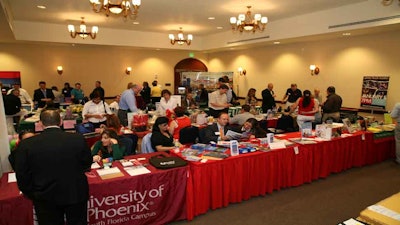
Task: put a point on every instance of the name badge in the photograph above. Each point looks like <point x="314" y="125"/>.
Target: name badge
<point x="216" y="133"/>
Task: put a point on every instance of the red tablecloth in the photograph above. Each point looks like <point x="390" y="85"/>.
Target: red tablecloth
<point x="155" y="198"/>
<point x="215" y="184"/>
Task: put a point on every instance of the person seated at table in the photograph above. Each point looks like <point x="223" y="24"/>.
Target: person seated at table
<point x="125" y="135"/>
<point x="306" y="108"/>
<point x="96" y="110"/>
<point x="251" y="129"/>
<point x="114" y="106"/>
<point x="161" y="139"/>
<point x="166" y="102"/>
<point x="216" y="131"/>
<point x="188" y="101"/>
<point x="242" y="116"/>
<point x="180" y="121"/>
<point x="108" y="147"/>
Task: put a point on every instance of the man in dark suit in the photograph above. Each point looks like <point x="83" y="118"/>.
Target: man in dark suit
<point x="99" y="89"/>
<point x="50" y="169"/>
<point x="268" y="98"/>
<point x="43" y="95"/>
<point x="216" y="131"/>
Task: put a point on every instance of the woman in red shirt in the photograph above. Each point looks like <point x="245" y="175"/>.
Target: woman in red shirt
<point x="180" y="121"/>
<point x="306" y="108"/>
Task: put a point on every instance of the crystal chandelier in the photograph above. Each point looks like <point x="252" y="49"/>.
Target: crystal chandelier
<point x="83" y="33"/>
<point x="117" y="7"/>
<point x="180" y="39"/>
<point x="244" y="22"/>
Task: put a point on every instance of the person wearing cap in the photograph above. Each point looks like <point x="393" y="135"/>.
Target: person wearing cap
<point x="218" y="101"/>
<point x="23" y="94"/>
<point x="331" y="107"/>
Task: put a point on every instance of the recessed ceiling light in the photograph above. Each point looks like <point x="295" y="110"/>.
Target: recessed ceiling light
<point x="220" y="28"/>
<point x="41" y="6"/>
<point x="346" y="34"/>
<point x="277" y="42"/>
<point x="136" y="23"/>
<point x="211" y="18"/>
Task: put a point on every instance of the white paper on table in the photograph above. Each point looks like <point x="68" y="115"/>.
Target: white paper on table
<point x="103" y="172"/>
<point x="385" y="211"/>
<point x="352" y="222"/>
<point x="277" y="145"/>
<point x="280" y="135"/>
<point x="134" y="171"/>
<point x="126" y="163"/>
<point x="95" y="165"/>
<point x="12" y="178"/>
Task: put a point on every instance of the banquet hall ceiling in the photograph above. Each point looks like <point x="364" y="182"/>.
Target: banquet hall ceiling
<point x="158" y="18"/>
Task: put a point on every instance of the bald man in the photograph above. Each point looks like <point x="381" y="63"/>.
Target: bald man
<point x="268" y="98"/>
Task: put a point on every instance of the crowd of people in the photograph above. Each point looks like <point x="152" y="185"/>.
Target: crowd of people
<point x="66" y="166"/>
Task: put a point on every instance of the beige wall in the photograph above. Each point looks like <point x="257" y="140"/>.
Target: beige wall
<point x="86" y="64"/>
<point x="343" y="63"/>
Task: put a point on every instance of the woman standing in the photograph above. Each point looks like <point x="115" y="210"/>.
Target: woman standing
<point x="166" y="102"/>
<point x="146" y="92"/>
<point x="161" y="139"/>
<point x="307" y="108"/>
<point x="96" y="110"/>
<point x="108" y="147"/>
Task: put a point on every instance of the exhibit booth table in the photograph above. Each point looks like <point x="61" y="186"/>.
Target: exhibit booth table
<point x="157" y="197"/>
<point x="217" y="183"/>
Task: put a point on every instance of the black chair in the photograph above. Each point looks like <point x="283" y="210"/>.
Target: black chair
<point x="188" y="135"/>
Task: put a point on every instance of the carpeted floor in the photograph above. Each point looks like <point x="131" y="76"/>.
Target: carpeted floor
<point x="323" y="202"/>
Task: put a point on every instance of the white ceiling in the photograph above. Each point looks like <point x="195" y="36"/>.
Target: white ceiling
<point x="159" y="17"/>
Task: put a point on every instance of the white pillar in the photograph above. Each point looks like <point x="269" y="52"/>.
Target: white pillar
<point x="5" y="146"/>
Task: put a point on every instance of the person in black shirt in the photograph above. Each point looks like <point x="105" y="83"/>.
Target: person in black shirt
<point x="202" y="96"/>
<point x="268" y="98"/>
<point x="161" y="139"/>
<point x="66" y="91"/>
<point x="146" y="92"/>
<point x="99" y="89"/>
<point x="291" y="95"/>
<point x="12" y="103"/>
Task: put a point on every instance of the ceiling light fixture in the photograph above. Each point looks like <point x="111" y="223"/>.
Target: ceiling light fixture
<point x="180" y="39"/>
<point x="117" y="7"/>
<point x="83" y="33"/>
<point x="244" y="22"/>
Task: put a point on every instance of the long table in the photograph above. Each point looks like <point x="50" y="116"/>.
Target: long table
<point x="216" y="184"/>
<point x="193" y="190"/>
<point x="155" y="198"/>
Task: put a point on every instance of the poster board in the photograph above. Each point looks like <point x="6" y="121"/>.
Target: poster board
<point x="374" y="92"/>
<point x="8" y="78"/>
<point x="209" y="79"/>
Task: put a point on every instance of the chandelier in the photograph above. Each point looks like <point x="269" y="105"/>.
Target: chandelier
<point x="117" y="7"/>
<point x="244" y="22"/>
<point x="83" y="33"/>
<point x="180" y="40"/>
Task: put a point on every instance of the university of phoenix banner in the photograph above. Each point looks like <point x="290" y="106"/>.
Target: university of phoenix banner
<point x="156" y="198"/>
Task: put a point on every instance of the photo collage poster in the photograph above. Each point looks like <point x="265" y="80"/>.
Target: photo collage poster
<point x="374" y="91"/>
<point x="8" y="78"/>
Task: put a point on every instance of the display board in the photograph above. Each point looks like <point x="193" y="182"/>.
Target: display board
<point x="209" y="79"/>
<point x="374" y="91"/>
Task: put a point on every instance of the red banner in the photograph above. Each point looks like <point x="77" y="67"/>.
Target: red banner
<point x="156" y="198"/>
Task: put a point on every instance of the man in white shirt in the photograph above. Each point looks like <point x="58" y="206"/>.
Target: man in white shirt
<point x="23" y="95"/>
<point x="217" y="101"/>
<point x="242" y="117"/>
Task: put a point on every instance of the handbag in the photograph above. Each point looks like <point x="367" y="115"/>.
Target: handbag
<point x="84" y="128"/>
<point x="166" y="162"/>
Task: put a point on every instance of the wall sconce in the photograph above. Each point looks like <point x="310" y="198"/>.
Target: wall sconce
<point x="242" y="72"/>
<point x="128" y="70"/>
<point x="314" y="70"/>
<point x="59" y="70"/>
